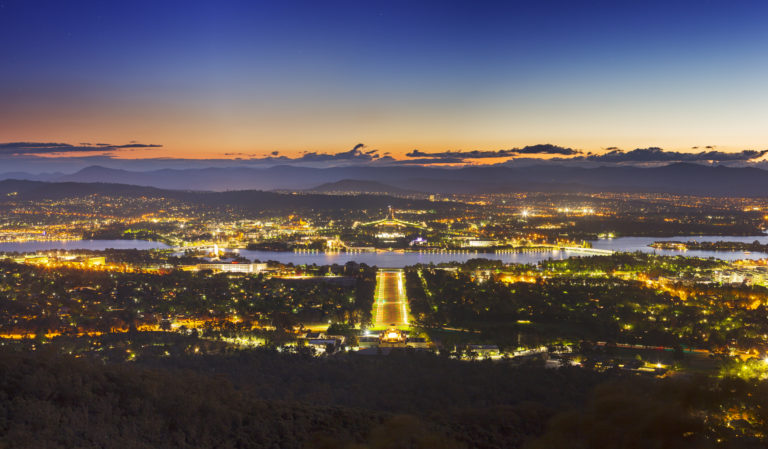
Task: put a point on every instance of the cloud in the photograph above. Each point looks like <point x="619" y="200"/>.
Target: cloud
<point x="238" y="155"/>
<point x="356" y="154"/>
<point x="131" y="145"/>
<point x="546" y="148"/>
<point x="26" y="156"/>
<point x="452" y="157"/>
<point x="656" y="154"/>
<point x="32" y="148"/>
<point x="460" y="155"/>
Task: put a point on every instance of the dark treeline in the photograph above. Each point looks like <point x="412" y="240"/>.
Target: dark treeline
<point x="263" y="398"/>
<point x="136" y="231"/>
<point x="649" y="264"/>
<point x="712" y="246"/>
<point x="657" y="226"/>
<point x="65" y="403"/>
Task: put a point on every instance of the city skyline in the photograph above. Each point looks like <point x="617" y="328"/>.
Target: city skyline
<point x="383" y="224"/>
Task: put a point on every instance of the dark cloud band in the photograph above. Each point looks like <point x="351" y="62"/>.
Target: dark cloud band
<point x="30" y="148"/>
<point x="360" y="154"/>
<point x="459" y="156"/>
<point x="656" y="154"/>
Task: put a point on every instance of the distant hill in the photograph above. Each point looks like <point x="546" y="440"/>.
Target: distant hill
<point x="253" y="200"/>
<point x="36" y="190"/>
<point x="679" y="178"/>
<point x="213" y="179"/>
<point x="359" y="186"/>
<point x="31" y="176"/>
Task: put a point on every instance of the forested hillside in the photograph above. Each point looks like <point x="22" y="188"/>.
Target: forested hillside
<point x="266" y="399"/>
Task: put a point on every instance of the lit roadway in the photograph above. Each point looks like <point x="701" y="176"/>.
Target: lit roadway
<point x="390" y="304"/>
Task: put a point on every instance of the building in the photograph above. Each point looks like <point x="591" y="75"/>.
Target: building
<point x="417" y="343"/>
<point x="477" y="243"/>
<point x="234" y="267"/>
<point x="391" y="228"/>
<point x="324" y="345"/>
<point x="484" y="350"/>
<point x="393" y="338"/>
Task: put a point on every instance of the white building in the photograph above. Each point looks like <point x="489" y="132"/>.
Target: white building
<point x="234" y="267"/>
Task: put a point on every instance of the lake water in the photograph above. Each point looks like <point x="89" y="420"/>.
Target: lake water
<point x="393" y="259"/>
<point x="68" y="245"/>
<point x="632" y="244"/>
<point x="396" y="259"/>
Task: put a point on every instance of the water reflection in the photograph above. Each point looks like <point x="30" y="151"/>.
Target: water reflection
<point x="401" y="259"/>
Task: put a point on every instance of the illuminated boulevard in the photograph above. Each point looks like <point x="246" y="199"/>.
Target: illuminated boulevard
<point x="390" y="305"/>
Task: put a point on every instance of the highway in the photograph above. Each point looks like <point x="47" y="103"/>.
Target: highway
<point x="390" y="306"/>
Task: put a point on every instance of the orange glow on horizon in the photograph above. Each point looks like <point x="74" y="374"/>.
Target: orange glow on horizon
<point x="180" y="152"/>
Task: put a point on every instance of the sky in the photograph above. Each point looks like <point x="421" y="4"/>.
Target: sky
<point x="223" y="79"/>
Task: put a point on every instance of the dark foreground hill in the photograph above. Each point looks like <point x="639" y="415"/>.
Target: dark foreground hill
<point x="266" y="399"/>
<point x="678" y="178"/>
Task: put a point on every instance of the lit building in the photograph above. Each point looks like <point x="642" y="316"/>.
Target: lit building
<point x="391" y="228"/>
<point x="234" y="267"/>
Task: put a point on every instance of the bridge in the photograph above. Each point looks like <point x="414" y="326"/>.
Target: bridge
<point x="390" y="305"/>
<point x="593" y="251"/>
<point x="550" y="248"/>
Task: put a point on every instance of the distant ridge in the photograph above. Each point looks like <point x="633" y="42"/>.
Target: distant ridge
<point x="251" y="200"/>
<point x="358" y="186"/>
<point x="31" y="176"/>
<point x="36" y="190"/>
<point x="678" y="178"/>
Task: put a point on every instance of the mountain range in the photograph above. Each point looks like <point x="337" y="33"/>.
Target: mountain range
<point x="251" y="200"/>
<point x="359" y="186"/>
<point x="678" y="178"/>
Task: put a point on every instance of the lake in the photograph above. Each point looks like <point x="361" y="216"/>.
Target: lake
<point x="68" y="245"/>
<point x="632" y="244"/>
<point x="398" y="259"/>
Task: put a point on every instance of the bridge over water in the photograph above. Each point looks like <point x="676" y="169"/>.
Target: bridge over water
<point x="592" y="251"/>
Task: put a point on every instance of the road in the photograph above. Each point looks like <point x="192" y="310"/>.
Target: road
<point x="390" y="306"/>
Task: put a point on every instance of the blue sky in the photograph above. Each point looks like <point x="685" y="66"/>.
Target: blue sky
<point x="205" y="79"/>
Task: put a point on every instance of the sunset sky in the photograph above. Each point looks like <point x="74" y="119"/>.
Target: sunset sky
<point x="225" y="79"/>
